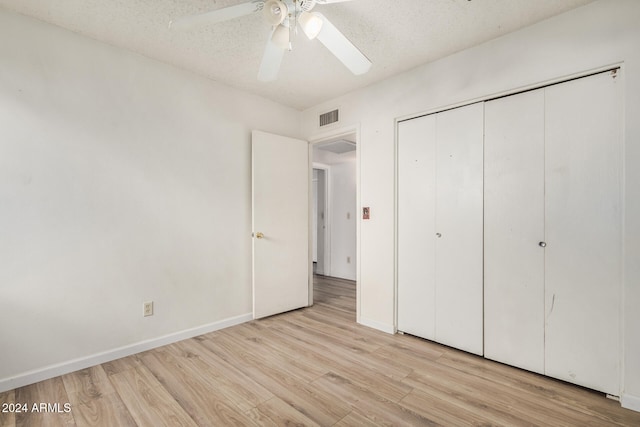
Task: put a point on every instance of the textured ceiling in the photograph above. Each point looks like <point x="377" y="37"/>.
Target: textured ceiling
<point x="396" y="35"/>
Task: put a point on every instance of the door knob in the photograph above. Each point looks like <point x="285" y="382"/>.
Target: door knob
<point x="259" y="235"/>
<point x="542" y="244"/>
<point x="438" y="235"/>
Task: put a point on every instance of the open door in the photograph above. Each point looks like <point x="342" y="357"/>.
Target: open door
<point x="280" y="192"/>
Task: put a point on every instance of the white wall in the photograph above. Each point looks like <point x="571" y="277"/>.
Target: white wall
<point x="122" y="180"/>
<point x="602" y="33"/>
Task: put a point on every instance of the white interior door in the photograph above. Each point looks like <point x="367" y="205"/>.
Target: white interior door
<point x="416" y="222"/>
<point x="513" y="229"/>
<point x="280" y="192"/>
<point x="458" y="233"/>
<point x="584" y="231"/>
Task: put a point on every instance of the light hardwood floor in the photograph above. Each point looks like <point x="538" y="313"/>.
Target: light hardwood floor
<point x="313" y="366"/>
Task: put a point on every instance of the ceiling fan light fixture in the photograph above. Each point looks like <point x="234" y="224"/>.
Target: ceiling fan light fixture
<point x="311" y="24"/>
<point x="274" y="12"/>
<point x="280" y="37"/>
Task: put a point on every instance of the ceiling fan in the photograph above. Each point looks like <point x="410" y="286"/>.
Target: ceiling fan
<point x="285" y="16"/>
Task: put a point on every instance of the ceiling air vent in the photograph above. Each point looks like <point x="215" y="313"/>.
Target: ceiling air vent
<point x="329" y="118"/>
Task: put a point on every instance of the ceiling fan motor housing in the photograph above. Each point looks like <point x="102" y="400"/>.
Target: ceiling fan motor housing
<point x="275" y="11"/>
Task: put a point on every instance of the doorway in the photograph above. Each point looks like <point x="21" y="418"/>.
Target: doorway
<point x="334" y="216"/>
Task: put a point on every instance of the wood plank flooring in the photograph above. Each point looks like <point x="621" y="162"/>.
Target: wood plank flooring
<point x="313" y="366"/>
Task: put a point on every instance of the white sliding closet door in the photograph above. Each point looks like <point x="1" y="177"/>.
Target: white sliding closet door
<point x="416" y="226"/>
<point x="584" y="231"/>
<point x="440" y="227"/>
<point x="514" y="226"/>
<point x="459" y="228"/>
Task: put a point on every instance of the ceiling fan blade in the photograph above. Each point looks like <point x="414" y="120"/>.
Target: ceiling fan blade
<point x="215" y="16"/>
<point x="342" y="48"/>
<point x="271" y="61"/>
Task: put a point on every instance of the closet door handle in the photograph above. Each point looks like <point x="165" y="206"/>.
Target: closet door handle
<point x="542" y="244"/>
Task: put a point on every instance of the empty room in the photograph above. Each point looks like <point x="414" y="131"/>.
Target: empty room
<point x="320" y="212"/>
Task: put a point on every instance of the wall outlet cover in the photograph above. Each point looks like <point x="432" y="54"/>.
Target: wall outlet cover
<point x="147" y="308"/>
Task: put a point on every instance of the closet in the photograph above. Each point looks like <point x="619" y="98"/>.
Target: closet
<point x="553" y="230"/>
<point x="440" y="227"/>
<point x="509" y="229"/>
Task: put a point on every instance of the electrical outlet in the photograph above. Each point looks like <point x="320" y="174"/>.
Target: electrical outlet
<point x="147" y="308"/>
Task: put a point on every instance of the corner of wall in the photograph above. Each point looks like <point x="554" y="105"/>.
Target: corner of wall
<point x="629" y="401"/>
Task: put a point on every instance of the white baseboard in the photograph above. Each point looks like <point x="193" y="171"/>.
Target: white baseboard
<point x="52" y="371"/>
<point x="630" y="402"/>
<point x="377" y="325"/>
